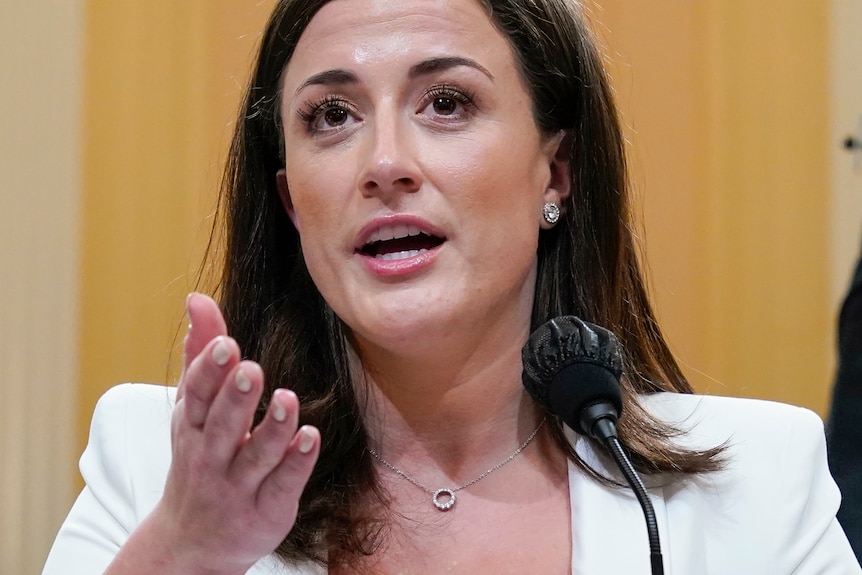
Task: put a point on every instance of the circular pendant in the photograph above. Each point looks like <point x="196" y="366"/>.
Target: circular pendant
<point x="447" y="504"/>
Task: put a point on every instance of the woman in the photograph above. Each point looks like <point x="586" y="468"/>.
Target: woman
<point x="414" y="186"/>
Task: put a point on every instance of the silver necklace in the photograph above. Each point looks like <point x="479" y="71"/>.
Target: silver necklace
<point x="444" y="498"/>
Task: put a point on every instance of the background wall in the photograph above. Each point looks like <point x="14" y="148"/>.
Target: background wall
<point x="114" y="118"/>
<point x="113" y="132"/>
<point x="845" y="99"/>
<point x="728" y="110"/>
<point x="40" y="185"/>
<point x="163" y="81"/>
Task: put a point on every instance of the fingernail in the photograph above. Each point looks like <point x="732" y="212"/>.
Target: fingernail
<point x="243" y="383"/>
<point x="221" y="354"/>
<point x="278" y="411"/>
<point x="306" y="440"/>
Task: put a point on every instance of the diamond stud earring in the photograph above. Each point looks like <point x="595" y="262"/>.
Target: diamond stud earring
<point x="551" y="213"/>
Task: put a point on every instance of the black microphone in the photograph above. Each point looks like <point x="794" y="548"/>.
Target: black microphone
<point x="573" y="368"/>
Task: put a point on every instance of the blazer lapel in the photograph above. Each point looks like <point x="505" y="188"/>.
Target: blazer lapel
<point x="609" y="531"/>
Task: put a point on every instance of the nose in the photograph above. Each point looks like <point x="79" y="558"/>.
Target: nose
<point x="389" y="165"/>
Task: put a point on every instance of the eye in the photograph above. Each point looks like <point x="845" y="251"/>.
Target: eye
<point x="334" y="117"/>
<point x="444" y="105"/>
<point x="447" y="102"/>
<point x="326" y="115"/>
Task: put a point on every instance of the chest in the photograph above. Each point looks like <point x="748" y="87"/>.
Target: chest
<point x="531" y="534"/>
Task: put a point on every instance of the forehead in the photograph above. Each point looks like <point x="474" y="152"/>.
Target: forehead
<point x="382" y="31"/>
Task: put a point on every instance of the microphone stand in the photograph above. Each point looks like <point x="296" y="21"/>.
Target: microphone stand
<point x="573" y="368"/>
<point x="605" y="429"/>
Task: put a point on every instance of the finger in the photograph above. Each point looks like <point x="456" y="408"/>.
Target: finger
<point x="232" y="412"/>
<point x="270" y="439"/>
<point x="206" y="376"/>
<point x="281" y="489"/>
<point x="206" y="323"/>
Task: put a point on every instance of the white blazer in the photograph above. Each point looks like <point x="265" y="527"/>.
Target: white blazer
<point x="770" y="511"/>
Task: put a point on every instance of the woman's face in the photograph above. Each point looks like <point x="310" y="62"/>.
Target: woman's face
<point x="415" y="173"/>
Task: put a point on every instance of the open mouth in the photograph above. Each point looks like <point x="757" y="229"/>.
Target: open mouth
<point x="399" y="242"/>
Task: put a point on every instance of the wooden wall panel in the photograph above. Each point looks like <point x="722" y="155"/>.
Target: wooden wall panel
<point x="771" y="320"/>
<point x="163" y="83"/>
<point x="727" y="105"/>
<point x="40" y="64"/>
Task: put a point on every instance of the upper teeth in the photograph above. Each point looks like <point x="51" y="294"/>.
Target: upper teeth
<point x="393" y="232"/>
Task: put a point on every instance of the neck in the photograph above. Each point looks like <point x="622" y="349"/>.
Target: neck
<point x="452" y="411"/>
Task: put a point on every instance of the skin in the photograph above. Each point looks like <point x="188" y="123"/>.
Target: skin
<point x="224" y="482"/>
<point x="440" y="342"/>
<point x="479" y="174"/>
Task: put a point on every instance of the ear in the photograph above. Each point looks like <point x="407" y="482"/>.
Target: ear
<point x="284" y="194"/>
<point x="559" y="188"/>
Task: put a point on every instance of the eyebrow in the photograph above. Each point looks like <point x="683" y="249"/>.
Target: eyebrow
<point x="329" y="78"/>
<point x="444" y="63"/>
<point x="340" y="76"/>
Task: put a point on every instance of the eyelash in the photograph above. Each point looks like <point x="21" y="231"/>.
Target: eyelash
<point x="460" y="96"/>
<point x="313" y="111"/>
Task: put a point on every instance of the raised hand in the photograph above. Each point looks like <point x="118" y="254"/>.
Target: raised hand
<point x="231" y="495"/>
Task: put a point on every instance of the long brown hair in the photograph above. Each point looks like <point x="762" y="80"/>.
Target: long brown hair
<point x="587" y="267"/>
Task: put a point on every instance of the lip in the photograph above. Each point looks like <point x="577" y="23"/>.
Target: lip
<point x="395" y="220"/>
<point x="399" y="267"/>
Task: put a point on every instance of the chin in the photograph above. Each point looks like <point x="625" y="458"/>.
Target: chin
<point x="407" y="332"/>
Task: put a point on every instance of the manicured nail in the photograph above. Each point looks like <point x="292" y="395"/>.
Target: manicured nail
<point x="243" y="383"/>
<point x="221" y="354"/>
<point x="278" y="411"/>
<point x="188" y="301"/>
<point x="306" y="440"/>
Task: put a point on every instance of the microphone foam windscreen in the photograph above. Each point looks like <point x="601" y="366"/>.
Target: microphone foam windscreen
<point x="574" y="362"/>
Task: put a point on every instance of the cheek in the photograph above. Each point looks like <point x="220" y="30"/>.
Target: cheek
<point x="317" y="226"/>
<point x="498" y="206"/>
<point x="313" y="194"/>
<point x="496" y="180"/>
